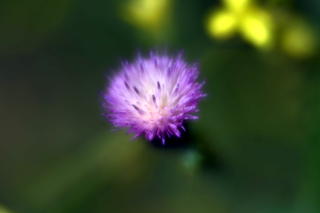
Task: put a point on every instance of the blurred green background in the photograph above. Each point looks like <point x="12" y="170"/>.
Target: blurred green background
<point x="255" y="147"/>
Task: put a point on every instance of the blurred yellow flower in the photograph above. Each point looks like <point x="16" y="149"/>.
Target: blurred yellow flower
<point x="147" y="14"/>
<point x="298" y="39"/>
<point x="254" y="24"/>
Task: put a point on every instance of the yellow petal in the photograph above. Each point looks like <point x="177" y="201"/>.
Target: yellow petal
<point x="222" y="24"/>
<point x="256" y="27"/>
<point x="237" y="5"/>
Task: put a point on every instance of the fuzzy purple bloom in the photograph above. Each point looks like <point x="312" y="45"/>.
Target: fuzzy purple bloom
<point x="153" y="96"/>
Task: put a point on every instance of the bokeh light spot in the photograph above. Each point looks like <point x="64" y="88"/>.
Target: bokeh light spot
<point x="149" y="14"/>
<point x="299" y="40"/>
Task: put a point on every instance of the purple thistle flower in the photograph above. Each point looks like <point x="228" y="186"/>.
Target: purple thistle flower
<point x="153" y="96"/>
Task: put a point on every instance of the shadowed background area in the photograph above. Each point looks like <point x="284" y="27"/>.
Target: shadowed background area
<point x="254" y="149"/>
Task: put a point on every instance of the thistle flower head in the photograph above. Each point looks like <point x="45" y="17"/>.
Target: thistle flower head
<point x="153" y="96"/>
